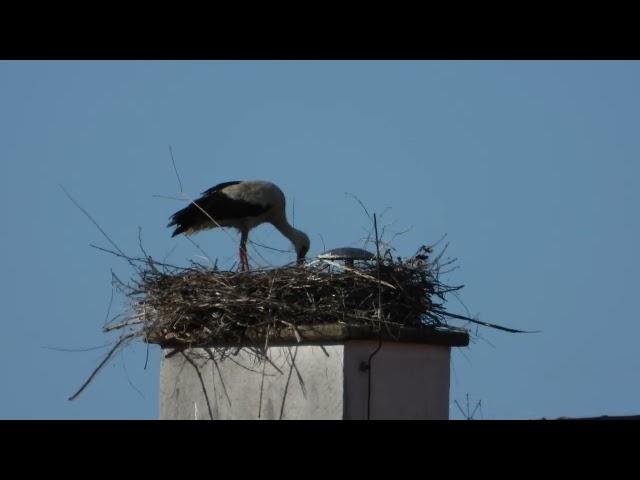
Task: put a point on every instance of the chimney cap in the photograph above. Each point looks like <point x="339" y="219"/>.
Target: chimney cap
<point x="347" y="253"/>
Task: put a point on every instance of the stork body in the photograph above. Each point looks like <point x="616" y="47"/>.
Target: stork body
<point x="242" y="205"/>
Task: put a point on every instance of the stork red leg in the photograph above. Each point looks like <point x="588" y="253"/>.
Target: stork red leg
<point x="244" y="259"/>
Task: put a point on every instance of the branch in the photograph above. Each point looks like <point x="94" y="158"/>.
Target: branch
<point x="102" y="364"/>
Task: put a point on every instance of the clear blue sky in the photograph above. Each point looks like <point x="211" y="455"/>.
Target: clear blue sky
<point x="531" y="168"/>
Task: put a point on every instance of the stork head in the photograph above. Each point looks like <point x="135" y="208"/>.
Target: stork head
<point x="301" y="243"/>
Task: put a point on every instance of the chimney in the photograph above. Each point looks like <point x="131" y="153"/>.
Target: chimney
<point x="318" y="372"/>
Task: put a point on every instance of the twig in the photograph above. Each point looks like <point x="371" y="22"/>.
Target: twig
<point x="200" y="248"/>
<point x="204" y="387"/>
<point x="106" y="317"/>
<point x="96" y="224"/>
<point x="375" y="226"/>
<point x="324" y="247"/>
<point x="486" y="324"/>
<point x="134" y="259"/>
<point x="264" y="366"/>
<point x="356" y="272"/>
<point x="215" y="365"/>
<point x="268" y="247"/>
<point x="75" y="350"/>
<point x="175" y="169"/>
<point x="286" y="387"/>
<point x="136" y="320"/>
<point x="361" y="204"/>
<point x="397" y="234"/>
<point x="103" y="363"/>
<point x="168" y="197"/>
<point x="146" y="358"/>
<point x="129" y="381"/>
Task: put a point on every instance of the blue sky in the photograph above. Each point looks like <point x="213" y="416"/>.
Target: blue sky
<point x="530" y="168"/>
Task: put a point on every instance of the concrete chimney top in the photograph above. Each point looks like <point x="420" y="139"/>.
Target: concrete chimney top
<point x="330" y="371"/>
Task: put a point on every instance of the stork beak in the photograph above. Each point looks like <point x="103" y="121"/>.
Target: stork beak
<point x="302" y="253"/>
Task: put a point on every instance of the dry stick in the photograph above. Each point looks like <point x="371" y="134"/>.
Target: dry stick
<point x="461" y="410"/>
<point x="201" y="249"/>
<point x="457" y="297"/>
<point x="257" y="351"/>
<point x="224" y="387"/>
<point x="146" y="255"/>
<point x="397" y="234"/>
<point x="126" y="374"/>
<point x="175" y="169"/>
<point x="384" y="229"/>
<point x="139" y="260"/>
<point x="126" y="323"/>
<point x="75" y="350"/>
<point x="375" y="226"/>
<point x="446" y="272"/>
<point x="268" y="247"/>
<point x="106" y="359"/>
<point x="324" y="247"/>
<point x="204" y="388"/>
<point x="486" y="324"/>
<point x="484" y="339"/>
<point x="476" y="408"/>
<point x="260" y="255"/>
<point x="434" y="245"/>
<point x="365" y="211"/>
<point x="168" y="197"/>
<point x="294" y="328"/>
<point x="264" y="366"/>
<point x="361" y="204"/>
<point x="98" y="226"/>
<point x="298" y="374"/>
<point x="164" y="260"/>
<point x="266" y="357"/>
<point x="439" y="256"/>
<point x="356" y="272"/>
<point x="286" y="387"/>
<point x="113" y="319"/>
<point x="106" y="317"/>
<point x="229" y="358"/>
<point x="146" y="359"/>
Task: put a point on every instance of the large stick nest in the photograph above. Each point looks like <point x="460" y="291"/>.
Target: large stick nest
<point x="200" y="306"/>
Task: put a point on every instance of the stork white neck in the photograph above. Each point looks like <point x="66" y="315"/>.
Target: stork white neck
<point x="298" y="238"/>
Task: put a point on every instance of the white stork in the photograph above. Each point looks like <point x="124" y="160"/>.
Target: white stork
<point x="242" y="205"/>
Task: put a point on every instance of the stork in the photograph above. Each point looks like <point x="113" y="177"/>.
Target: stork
<point x="242" y="205"/>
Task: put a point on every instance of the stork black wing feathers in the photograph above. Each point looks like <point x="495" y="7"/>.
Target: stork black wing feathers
<point x="217" y="205"/>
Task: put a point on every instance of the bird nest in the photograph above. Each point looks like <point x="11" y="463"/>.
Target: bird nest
<point x="200" y="306"/>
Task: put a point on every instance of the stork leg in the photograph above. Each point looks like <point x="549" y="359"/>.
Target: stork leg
<point x="244" y="259"/>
